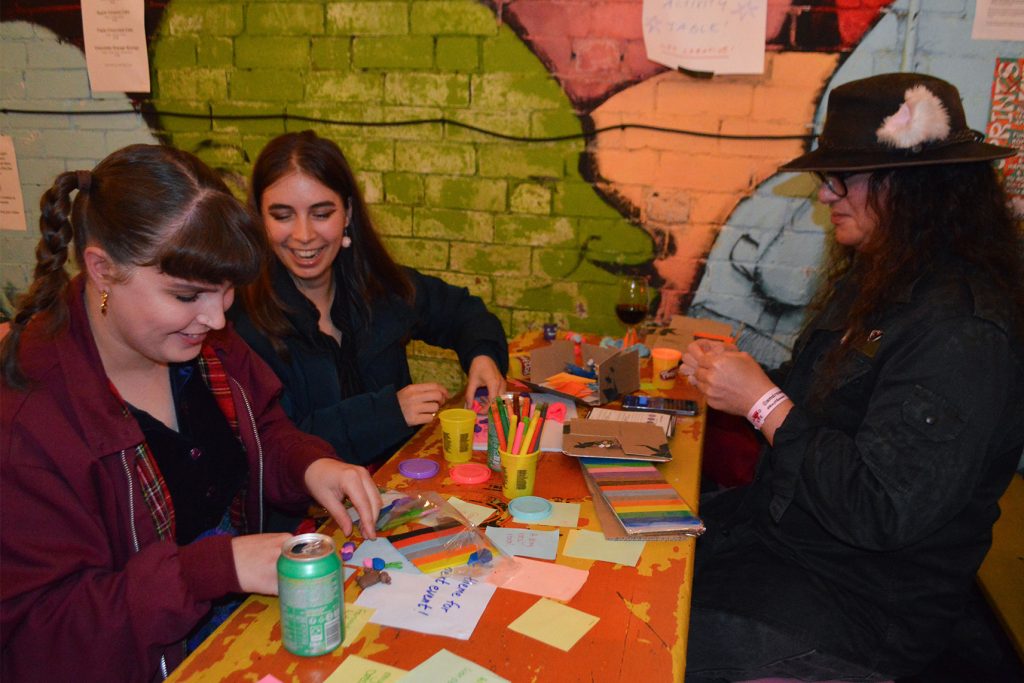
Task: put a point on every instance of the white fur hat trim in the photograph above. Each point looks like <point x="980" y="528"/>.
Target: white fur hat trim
<point x="921" y="118"/>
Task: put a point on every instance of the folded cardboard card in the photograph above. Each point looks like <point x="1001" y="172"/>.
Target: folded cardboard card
<point x="616" y="439"/>
<point x="683" y="329"/>
<point x="613" y="372"/>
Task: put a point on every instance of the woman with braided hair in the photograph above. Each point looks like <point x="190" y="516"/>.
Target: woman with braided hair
<point x="141" y="438"/>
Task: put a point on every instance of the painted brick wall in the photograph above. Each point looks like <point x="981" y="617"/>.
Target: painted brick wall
<point x="537" y="229"/>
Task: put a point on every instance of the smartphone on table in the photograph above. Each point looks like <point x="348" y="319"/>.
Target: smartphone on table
<point x="658" y="404"/>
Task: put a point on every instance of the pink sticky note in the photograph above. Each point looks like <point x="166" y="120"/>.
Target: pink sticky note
<point x="269" y="679"/>
<point x="547" y="579"/>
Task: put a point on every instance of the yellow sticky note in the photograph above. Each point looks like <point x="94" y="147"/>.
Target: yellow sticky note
<point x="356" y="668"/>
<point x="592" y="545"/>
<point x="476" y="514"/>
<point x="356" y="617"/>
<point x="554" y="623"/>
<point x="562" y="514"/>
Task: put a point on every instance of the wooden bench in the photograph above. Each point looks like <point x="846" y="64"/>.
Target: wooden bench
<point x="1001" y="576"/>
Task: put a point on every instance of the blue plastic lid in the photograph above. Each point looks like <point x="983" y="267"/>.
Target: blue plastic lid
<point x="419" y="468"/>
<point x="530" y="508"/>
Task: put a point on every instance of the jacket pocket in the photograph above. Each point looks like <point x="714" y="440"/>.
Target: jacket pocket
<point x="931" y="416"/>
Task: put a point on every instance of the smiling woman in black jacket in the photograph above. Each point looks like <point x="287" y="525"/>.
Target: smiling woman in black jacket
<point x="333" y="312"/>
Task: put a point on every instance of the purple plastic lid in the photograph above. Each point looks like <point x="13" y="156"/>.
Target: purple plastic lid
<point x="419" y="468"/>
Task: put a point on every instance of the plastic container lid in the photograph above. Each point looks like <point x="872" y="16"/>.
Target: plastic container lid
<point x="470" y="473"/>
<point x="530" y="508"/>
<point x="419" y="468"/>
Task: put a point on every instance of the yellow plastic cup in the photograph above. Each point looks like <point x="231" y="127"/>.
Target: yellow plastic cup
<point x="457" y="433"/>
<point x="665" y="366"/>
<point x="520" y="472"/>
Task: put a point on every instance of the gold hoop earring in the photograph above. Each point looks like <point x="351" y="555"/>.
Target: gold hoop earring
<point x="104" y="295"/>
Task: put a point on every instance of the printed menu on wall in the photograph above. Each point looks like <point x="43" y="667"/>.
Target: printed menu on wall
<point x="12" y="205"/>
<point x="115" y="45"/>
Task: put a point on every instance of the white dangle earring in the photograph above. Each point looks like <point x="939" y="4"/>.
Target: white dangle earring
<point x="346" y="241"/>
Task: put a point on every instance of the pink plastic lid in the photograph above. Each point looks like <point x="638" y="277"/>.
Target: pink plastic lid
<point x="470" y="473"/>
<point x="419" y="468"/>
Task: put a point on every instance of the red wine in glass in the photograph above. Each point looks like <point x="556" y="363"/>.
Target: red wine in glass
<point x="631" y="305"/>
<point x="630" y="314"/>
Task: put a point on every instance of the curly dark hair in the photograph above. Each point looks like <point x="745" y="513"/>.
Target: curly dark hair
<point x="930" y="218"/>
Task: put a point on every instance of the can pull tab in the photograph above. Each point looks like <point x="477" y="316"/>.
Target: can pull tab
<point x="308" y="548"/>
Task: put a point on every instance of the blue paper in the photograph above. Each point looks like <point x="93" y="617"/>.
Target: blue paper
<point x="525" y="542"/>
<point x="383" y="549"/>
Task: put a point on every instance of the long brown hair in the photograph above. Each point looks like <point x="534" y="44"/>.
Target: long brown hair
<point x="368" y="271"/>
<point x="145" y="205"/>
<point x="930" y="218"/>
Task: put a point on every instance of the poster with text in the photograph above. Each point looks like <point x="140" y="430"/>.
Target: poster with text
<point x="714" y="36"/>
<point x="12" y="206"/>
<point x="1006" y="126"/>
<point x="115" y="45"/>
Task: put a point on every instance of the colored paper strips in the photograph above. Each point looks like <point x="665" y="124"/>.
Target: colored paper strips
<point x="640" y="497"/>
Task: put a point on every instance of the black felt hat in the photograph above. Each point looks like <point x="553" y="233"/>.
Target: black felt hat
<point x="897" y="119"/>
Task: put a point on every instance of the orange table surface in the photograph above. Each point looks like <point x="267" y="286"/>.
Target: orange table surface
<point x="644" y="610"/>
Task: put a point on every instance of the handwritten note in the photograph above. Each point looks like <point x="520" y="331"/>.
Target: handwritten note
<point x="450" y="668"/>
<point x="444" y="604"/>
<point x="356" y="618"/>
<point x="554" y="623"/>
<point x="525" y="542"/>
<point x="356" y="668"/>
<point x="717" y="36"/>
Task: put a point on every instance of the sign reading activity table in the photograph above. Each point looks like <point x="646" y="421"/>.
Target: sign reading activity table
<point x="642" y="612"/>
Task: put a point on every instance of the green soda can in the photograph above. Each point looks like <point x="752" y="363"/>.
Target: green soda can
<point x="309" y="585"/>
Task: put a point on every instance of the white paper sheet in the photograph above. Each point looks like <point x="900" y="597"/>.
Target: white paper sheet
<point x="998" y="20"/>
<point x="12" y="204"/>
<point x="115" y="45"/>
<point x="444" y="604"/>
<point x="717" y="36"/>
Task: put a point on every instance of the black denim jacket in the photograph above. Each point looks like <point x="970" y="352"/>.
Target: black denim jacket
<point x="875" y="506"/>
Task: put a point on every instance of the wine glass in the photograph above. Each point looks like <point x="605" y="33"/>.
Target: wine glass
<point x="631" y="306"/>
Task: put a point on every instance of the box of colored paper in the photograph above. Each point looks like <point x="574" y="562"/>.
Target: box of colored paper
<point x="641" y="502"/>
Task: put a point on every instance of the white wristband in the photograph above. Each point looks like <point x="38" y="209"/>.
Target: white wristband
<point x="764" y="406"/>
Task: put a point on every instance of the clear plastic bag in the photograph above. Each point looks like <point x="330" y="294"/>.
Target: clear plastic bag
<point x="434" y="536"/>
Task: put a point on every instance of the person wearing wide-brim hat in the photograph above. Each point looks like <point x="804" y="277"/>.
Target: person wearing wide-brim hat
<point x="897" y="424"/>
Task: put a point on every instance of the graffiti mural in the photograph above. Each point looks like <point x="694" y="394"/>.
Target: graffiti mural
<point x="527" y="148"/>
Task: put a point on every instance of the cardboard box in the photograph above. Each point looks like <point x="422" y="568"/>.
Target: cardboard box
<point x="617" y="372"/>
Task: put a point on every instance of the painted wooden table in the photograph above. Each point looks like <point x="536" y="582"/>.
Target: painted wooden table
<point x="644" y="610"/>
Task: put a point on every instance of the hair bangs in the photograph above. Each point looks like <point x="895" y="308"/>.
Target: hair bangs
<point x="219" y="240"/>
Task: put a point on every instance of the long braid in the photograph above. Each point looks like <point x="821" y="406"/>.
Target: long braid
<point x="45" y="295"/>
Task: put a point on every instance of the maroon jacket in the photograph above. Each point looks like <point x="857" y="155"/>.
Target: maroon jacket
<point x="87" y="592"/>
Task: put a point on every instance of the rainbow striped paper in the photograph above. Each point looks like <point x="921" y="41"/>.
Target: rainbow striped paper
<point x="434" y="548"/>
<point x="638" y="494"/>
